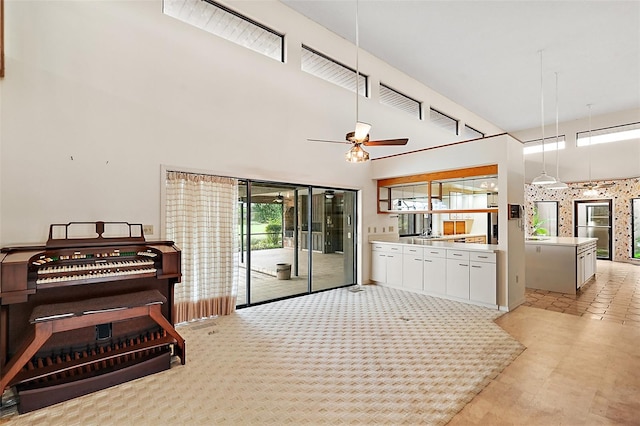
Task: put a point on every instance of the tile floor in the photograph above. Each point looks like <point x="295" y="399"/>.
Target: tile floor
<point x="614" y="295"/>
<point x="582" y="362"/>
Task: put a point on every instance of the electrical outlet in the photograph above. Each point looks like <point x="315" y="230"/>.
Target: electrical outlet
<point x="391" y="229"/>
<point x="384" y="229"/>
<point x="147" y="229"/>
<point x="368" y="230"/>
<point x="375" y="230"/>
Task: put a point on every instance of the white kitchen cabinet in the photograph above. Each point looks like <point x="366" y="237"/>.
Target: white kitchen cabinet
<point x="412" y="268"/>
<point x="435" y="270"/>
<point x="379" y="266"/>
<point x="482" y="282"/>
<point x="448" y="272"/>
<point x="458" y="274"/>
<point x="386" y="263"/>
<point x="394" y="268"/>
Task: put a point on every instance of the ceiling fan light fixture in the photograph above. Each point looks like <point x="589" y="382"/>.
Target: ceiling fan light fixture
<point x="362" y="131"/>
<point x="356" y="154"/>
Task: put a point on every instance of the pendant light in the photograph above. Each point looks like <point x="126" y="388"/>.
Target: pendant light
<point x="357" y="154"/>
<point x="558" y="184"/>
<point x="590" y="191"/>
<point x="544" y="178"/>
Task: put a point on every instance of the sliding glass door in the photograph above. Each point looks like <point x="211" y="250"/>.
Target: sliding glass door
<point x="294" y="240"/>
<point x="333" y="232"/>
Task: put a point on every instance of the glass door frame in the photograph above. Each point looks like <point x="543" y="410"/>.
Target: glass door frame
<point x="296" y="188"/>
<point x="576" y="226"/>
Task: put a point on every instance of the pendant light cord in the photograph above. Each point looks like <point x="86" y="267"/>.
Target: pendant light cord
<point x="589" y="147"/>
<point x="544" y="164"/>
<point x="557" y="134"/>
<point x="357" y="63"/>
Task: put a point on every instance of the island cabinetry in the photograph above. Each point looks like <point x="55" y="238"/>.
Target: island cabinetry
<point x="435" y="270"/>
<point x="386" y="263"/>
<point x="586" y="262"/>
<point x="482" y="277"/>
<point x="412" y="268"/>
<point x="559" y="264"/>
<point x="457" y="274"/>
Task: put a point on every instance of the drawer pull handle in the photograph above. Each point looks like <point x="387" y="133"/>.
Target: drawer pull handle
<point x="462" y="264"/>
<point x="475" y="266"/>
<point x="483" y="257"/>
<point x="457" y="254"/>
<point x="430" y="261"/>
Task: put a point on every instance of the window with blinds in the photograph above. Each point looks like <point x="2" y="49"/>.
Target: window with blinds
<point x="328" y="69"/>
<point x="624" y="132"/>
<point x="469" y="132"/>
<point x="392" y="97"/>
<point x="228" y="24"/>
<point x="535" y="146"/>
<point x="444" y="121"/>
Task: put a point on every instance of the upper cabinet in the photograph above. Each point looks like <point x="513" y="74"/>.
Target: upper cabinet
<point x="457" y="192"/>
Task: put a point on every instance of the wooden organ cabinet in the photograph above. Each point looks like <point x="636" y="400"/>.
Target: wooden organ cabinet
<point x="83" y="314"/>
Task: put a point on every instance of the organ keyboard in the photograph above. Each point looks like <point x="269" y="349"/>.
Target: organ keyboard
<point x="103" y="304"/>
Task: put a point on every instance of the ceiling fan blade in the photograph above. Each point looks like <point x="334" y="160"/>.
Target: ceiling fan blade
<point x="325" y="140"/>
<point x="386" y="142"/>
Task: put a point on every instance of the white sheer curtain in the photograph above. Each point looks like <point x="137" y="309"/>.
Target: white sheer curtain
<point x="202" y="219"/>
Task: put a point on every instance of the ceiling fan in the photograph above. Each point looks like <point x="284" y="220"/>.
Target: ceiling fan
<point x="360" y="136"/>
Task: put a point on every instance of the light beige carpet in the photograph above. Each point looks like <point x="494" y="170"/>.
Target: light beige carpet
<point x="380" y="356"/>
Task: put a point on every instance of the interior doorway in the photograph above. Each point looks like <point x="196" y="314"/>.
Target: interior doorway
<point x="593" y="219"/>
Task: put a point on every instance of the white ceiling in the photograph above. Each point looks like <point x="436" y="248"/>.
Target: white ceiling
<point x="484" y="55"/>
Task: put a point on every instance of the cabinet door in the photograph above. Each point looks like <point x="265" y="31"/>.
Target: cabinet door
<point x="580" y="270"/>
<point x="394" y="268"/>
<point x="379" y="266"/>
<point x="435" y="274"/>
<point x="458" y="278"/>
<point x="411" y="272"/>
<point x="482" y="282"/>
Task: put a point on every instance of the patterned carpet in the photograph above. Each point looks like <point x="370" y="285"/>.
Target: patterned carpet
<point x="380" y="356"/>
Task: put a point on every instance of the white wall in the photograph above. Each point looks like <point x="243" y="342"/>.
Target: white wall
<point x="502" y="150"/>
<point x="99" y="94"/>
<point x="618" y="160"/>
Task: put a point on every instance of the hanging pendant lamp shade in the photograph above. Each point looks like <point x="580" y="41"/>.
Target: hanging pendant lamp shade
<point x="558" y="184"/>
<point x="543" y="178"/>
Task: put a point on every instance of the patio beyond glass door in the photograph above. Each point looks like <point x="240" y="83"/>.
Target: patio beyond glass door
<point x="294" y="240"/>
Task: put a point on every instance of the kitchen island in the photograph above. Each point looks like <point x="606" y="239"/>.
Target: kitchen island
<point x="559" y="264"/>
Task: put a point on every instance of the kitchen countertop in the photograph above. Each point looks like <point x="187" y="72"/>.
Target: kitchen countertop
<point x="413" y="241"/>
<point x="559" y="241"/>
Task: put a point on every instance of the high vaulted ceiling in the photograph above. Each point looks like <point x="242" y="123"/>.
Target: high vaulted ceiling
<point x="484" y="55"/>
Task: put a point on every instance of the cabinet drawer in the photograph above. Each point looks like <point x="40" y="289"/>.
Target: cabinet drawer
<point x="435" y="252"/>
<point x="414" y="251"/>
<point x="482" y="257"/>
<point x="394" y="249"/>
<point x="458" y="254"/>
<point x="378" y="247"/>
